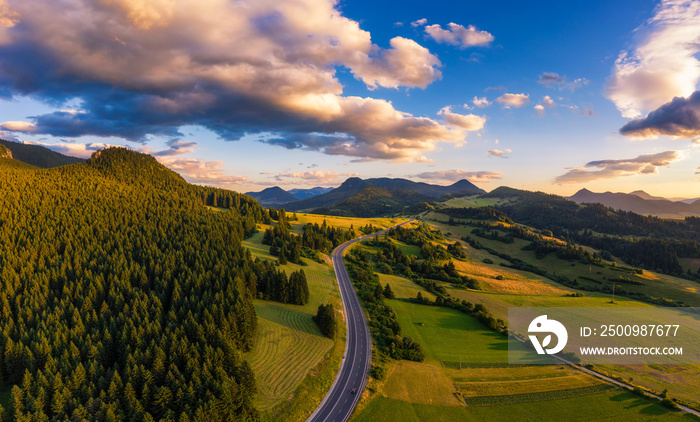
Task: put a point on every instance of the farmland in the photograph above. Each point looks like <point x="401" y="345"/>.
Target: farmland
<point x="465" y="375"/>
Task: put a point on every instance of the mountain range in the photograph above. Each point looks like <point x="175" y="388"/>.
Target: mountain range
<point x="640" y="202"/>
<point x="38" y="156"/>
<point x="368" y="197"/>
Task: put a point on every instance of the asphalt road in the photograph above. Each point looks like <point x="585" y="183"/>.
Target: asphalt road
<point x="339" y="402"/>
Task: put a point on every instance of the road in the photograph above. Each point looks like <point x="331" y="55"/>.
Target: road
<point x="339" y="402"/>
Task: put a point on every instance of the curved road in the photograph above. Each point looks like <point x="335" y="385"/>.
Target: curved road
<point x="339" y="402"/>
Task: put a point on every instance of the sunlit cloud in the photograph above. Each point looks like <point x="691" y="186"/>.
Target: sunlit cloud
<point x="540" y="109"/>
<point x="315" y="177"/>
<point x="610" y="169"/>
<point x="456" y="175"/>
<point x="663" y="65"/>
<point x="678" y="119"/>
<point x="467" y="122"/>
<point x="548" y="102"/>
<point x="499" y="153"/>
<point x="19" y="126"/>
<point x="481" y="102"/>
<point x="513" y="100"/>
<point x="199" y="171"/>
<point x="419" y="22"/>
<point x="141" y="69"/>
<point x="459" y="35"/>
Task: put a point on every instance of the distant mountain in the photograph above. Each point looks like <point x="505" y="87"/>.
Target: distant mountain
<point x="308" y="193"/>
<point x="639" y="202"/>
<point x="402" y="192"/>
<point x="37" y="155"/>
<point x="272" y="197"/>
<point x="373" y="201"/>
<point x="644" y="195"/>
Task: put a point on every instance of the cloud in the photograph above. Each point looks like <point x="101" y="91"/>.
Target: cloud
<point x="551" y="79"/>
<point x="18" y="126"/>
<point x="175" y="147"/>
<point x="514" y="100"/>
<point x="419" y="22"/>
<point x="498" y="153"/>
<point x="199" y="171"/>
<point x="314" y="177"/>
<point x="548" y="102"/>
<point x="456" y="175"/>
<point x="481" y="102"/>
<point x="585" y="112"/>
<point x="540" y="109"/>
<point x="697" y="170"/>
<point x="678" y="119"/>
<point x="467" y="122"/>
<point x="610" y="169"/>
<point x="459" y="35"/>
<point x="663" y="63"/>
<point x="143" y="69"/>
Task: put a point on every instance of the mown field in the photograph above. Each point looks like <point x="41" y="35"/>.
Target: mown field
<point x="289" y="345"/>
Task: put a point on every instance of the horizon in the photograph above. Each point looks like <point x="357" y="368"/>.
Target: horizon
<point x="304" y="94"/>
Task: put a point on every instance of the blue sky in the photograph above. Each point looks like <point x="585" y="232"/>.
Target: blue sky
<point x="247" y="95"/>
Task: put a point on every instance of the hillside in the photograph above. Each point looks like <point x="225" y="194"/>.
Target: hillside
<point x="37" y="155"/>
<point x="398" y="188"/>
<point x="639" y="202"/>
<point x="308" y="193"/>
<point x="272" y="196"/>
<point x="136" y="300"/>
<point x="372" y="201"/>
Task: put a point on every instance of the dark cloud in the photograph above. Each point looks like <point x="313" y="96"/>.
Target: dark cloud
<point x="679" y="119"/>
<point x="549" y="78"/>
<point x="138" y="69"/>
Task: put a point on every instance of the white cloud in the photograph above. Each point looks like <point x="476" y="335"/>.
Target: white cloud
<point x="419" y="22"/>
<point x="540" y="109"/>
<point x="196" y="170"/>
<point x="467" y="122"/>
<point x="315" y="177"/>
<point x="456" y="175"/>
<point x="609" y="169"/>
<point x="498" y="153"/>
<point x="548" y="102"/>
<point x="663" y="63"/>
<point x="514" y="100"/>
<point x="481" y="102"/>
<point x="459" y="35"/>
<point x="18" y="126"/>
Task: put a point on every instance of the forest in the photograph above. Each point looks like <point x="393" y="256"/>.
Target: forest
<point x="123" y="297"/>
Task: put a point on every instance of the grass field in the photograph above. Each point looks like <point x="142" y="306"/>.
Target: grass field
<point x="654" y="284"/>
<point x="403" y="288"/>
<point x="342" y="222"/>
<point x="449" y="335"/>
<point x="288" y="343"/>
<point x="473" y="201"/>
<point x="611" y="406"/>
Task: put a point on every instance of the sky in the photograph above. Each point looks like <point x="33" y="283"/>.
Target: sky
<point x="245" y="95"/>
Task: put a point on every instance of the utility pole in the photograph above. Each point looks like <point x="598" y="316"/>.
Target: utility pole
<point x="613" y="298"/>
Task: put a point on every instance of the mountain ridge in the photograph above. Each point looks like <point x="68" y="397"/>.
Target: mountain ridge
<point x="639" y="202"/>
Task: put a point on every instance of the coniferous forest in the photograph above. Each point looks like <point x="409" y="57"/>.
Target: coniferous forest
<point x="122" y="296"/>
